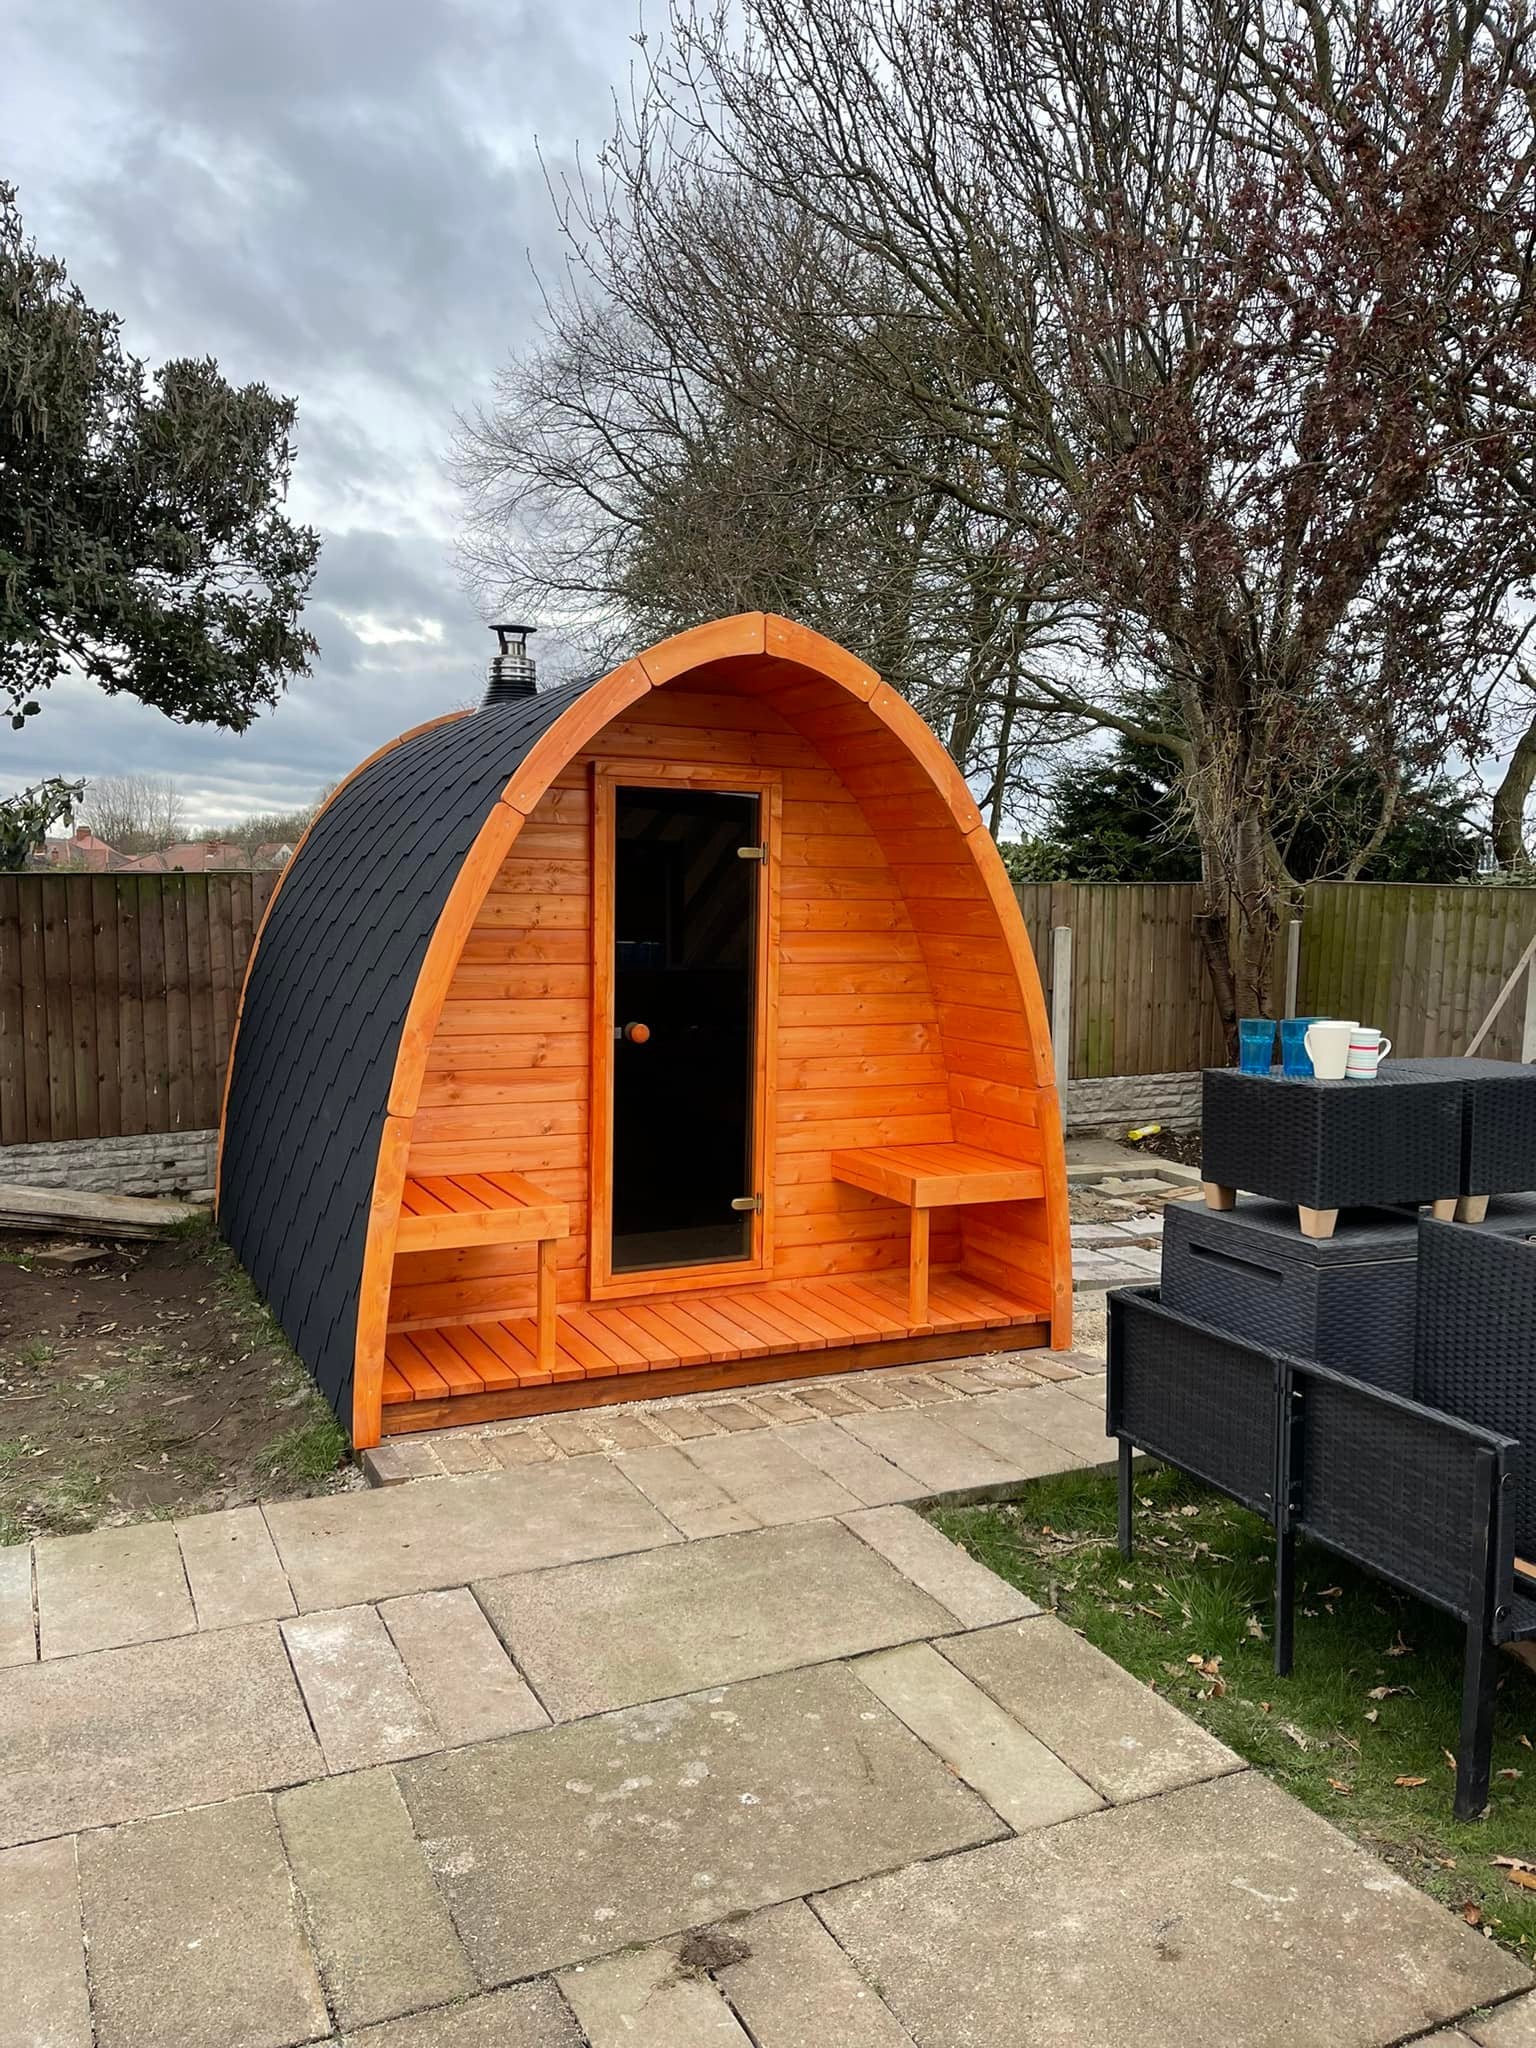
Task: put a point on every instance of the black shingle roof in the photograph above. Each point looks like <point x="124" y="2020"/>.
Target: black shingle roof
<point x="329" y="989"/>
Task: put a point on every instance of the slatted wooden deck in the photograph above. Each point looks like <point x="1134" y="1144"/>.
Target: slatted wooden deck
<point x="461" y="1372"/>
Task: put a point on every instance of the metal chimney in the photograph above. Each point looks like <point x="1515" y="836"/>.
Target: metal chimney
<point x="512" y="670"/>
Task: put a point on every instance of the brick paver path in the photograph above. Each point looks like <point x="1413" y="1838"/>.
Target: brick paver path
<point x="670" y="1727"/>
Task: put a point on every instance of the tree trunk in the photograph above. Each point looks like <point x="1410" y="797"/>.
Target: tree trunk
<point x="1509" y="801"/>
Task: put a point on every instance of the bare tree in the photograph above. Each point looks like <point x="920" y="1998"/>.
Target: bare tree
<point x="134" y="813"/>
<point x="1209" y="326"/>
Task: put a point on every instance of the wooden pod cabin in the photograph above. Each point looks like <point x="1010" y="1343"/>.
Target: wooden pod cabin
<point x="670" y="1031"/>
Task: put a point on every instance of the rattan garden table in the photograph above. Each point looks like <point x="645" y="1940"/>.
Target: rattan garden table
<point x="1331" y="1145"/>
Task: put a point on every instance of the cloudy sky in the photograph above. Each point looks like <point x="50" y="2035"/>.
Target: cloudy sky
<point x="340" y="198"/>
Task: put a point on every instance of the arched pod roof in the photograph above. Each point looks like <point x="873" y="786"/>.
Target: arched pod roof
<point x="349" y="973"/>
<point x="325" y="1003"/>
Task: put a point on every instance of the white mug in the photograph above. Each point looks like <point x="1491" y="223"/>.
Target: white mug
<point x="1367" y="1050"/>
<point x="1327" y="1046"/>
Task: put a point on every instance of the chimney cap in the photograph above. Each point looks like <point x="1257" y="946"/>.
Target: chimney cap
<point x="516" y="634"/>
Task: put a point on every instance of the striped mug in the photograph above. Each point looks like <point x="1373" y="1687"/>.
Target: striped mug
<point x="1367" y="1049"/>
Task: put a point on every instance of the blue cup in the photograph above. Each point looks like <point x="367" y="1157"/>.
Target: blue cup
<point x="1293" y="1047"/>
<point x="1255" y="1044"/>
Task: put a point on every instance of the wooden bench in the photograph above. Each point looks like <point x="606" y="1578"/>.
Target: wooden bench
<point x="440" y="1211"/>
<point x="927" y="1177"/>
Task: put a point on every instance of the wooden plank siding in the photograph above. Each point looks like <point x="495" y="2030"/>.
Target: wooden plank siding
<point x="117" y="1000"/>
<point x="858" y="1043"/>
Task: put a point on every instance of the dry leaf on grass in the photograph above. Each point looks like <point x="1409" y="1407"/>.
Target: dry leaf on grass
<point x="1472" y="1913"/>
<point x="1513" y="1863"/>
<point x="1339" y="1785"/>
<point x="1399" y="1648"/>
<point x="1386" y="1692"/>
<point x="1410" y="1781"/>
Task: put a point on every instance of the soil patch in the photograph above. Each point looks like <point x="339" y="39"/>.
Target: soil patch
<point x="145" y="1380"/>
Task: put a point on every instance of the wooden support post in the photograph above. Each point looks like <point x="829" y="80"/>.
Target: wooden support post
<point x="546" y="1310"/>
<point x="917" y="1271"/>
<point x="1528" y="1026"/>
<point x="1218" y="1197"/>
<point x="1292" y="964"/>
<point x="1061" y="1007"/>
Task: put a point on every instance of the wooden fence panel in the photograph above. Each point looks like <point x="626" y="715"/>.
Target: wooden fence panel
<point x="118" y="992"/>
<point x="117" y="1000"/>
<point x="1423" y="963"/>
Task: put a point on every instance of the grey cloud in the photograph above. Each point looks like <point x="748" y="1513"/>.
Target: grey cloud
<point x="338" y="197"/>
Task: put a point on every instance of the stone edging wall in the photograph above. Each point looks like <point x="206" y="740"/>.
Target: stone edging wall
<point x="165" y="1163"/>
<point x="1110" y="1104"/>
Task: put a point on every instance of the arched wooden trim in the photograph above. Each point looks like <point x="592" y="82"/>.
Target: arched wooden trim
<point x="746" y="634"/>
<point x="429" y="725"/>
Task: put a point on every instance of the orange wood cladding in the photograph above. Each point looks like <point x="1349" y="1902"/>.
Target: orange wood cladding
<point x="905" y="1013"/>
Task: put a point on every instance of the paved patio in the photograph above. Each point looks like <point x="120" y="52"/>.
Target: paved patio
<point x="698" y="1740"/>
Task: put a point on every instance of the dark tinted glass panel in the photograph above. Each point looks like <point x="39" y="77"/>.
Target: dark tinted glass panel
<point x="685" y="911"/>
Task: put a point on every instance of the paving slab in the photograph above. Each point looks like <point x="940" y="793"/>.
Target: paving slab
<point x="647" y="1999"/>
<point x="1512" y="2026"/>
<point x="1048" y="1414"/>
<point x="942" y="1458"/>
<point x="1003" y="1423"/>
<point x="377" y="1924"/>
<point x="357" y="1689"/>
<point x="831" y="1399"/>
<point x="670" y="1816"/>
<point x="233" y="1569"/>
<point x="688" y="1498"/>
<point x="1112" y="1730"/>
<point x="471" y="1687"/>
<point x="974" y="1596"/>
<point x="526" y="2016"/>
<point x="1225" y="1911"/>
<point x="410" y="1539"/>
<point x="193" y="1933"/>
<point x="126" y="1733"/>
<point x="772" y="1482"/>
<point x="592" y="1637"/>
<point x="44" y="2002"/>
<point x="1012" y="1770"/>
<point x="867" y="1476"/>
<point x="18" y="1631"/>
<point x="1090" y="1389"/>
<point x="796" y="1989"/>
<point x="112" y="1587"/>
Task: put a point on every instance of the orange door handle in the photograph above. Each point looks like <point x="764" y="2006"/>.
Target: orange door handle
<point x="634" y="1034"/>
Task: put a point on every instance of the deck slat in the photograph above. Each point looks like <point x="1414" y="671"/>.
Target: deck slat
<point x="696" y="1332"/>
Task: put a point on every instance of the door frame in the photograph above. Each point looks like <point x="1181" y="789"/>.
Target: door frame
<point x="766" y="784"/>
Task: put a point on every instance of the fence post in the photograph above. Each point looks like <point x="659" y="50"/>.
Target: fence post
<point x="1292" y="963"/>
<point x="1061" y="1006"/>
<point x="1528" y="1028"/>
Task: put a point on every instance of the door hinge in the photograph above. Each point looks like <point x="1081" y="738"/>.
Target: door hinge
<point x="751" y="853"/>
<point x="752" y="1202"/>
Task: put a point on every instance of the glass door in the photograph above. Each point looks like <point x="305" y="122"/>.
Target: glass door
<point x="687" y="879"/>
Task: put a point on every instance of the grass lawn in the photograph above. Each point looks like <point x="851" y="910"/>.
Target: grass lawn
<point x="1362" y="1728"/>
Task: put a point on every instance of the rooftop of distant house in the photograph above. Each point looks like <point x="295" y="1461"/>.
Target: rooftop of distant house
<point x="85" y="851"/>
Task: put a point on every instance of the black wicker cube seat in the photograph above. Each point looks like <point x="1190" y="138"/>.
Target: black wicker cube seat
<point x="1332" y="1145"/>
<point x="1498" y="1138"/>
<point x="1345" y="1300"/>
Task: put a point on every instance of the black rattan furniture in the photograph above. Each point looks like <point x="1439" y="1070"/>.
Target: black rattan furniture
<point x="1331" y="1145"/>
<point x="1346" y="1300"/>
<point x="1475" y="1343"/>
<point x="1498" y="1132"/>
<point x="1415" y="1494"/>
